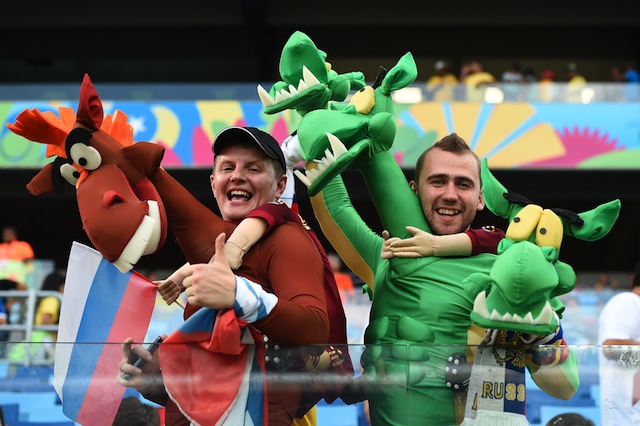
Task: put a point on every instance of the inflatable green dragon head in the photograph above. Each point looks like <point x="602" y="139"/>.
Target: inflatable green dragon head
<point x="366" y="126"/>
<point x="520" y="292"/>
<point x="308" y="82"/>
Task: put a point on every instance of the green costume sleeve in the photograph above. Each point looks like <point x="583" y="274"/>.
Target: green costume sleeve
<point x="397" y="205"/>
<point x="358" y="246"/>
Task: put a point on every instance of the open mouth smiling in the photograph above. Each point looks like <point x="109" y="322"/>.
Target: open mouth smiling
<point x="239" y="195"/>
<point x="447" y="212"/>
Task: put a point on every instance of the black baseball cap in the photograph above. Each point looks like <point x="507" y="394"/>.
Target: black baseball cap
<point x="264" y="140"/>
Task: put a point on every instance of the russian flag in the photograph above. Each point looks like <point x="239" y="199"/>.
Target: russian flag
<point x="224" y="369"/>
<point x="100" y="308"/>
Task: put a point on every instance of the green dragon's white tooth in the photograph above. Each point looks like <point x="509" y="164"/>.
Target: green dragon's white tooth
<point x="546" y="315"/>
<point x="495" y="316"/>
<point x="293" y="90"/>
<point x="480" y="305"/>
<point x="302" y="178"/>
<point x="329" y="156"/>
<point x="302" y="86"/>
<point x="516" y="318"/>
<point x="528" y="319"/>
<point x="322" y="166"/>
<point x="337" y="146"/>
<point x="313" y="173"/>
<point x="265" y="97"/>
<point x="507" y="317"/>
<point x="282" y="95"/>
<point x="308" y="77"/>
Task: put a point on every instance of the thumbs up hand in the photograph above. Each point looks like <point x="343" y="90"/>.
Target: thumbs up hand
<point x="212" y="284"/>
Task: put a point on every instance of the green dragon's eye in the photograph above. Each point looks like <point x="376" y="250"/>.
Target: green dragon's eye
<point x="364" y="100"/>
<point x="550" y="230"/>
<point x="523" y="225"/>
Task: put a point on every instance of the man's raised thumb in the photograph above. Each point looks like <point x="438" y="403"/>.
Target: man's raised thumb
<point x="220" y="256"/>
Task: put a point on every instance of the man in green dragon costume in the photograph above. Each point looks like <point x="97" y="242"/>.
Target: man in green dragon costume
<point x="421" y="310"/>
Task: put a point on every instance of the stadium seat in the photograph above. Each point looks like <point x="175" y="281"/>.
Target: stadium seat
<point x="46" y="413"/>
<point x="337" y="414"/>
<point x="26" y="400"/>
<point x="11" y="412"/>
<point x="29" y="398"/>
<point x="595" y="394"/>
<point x="4" y="370"/>
<point x="43" y="372"/>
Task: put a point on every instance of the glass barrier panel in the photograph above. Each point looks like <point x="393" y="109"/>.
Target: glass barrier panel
<point x="395" y="384"/>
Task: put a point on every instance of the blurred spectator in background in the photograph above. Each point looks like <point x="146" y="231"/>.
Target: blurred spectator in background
<point x="133" y="412"/>
<point x="619" y="335"/>
<point x="41" y="346"/>
<point x="513" y="74"/>
<point x="604" y="282"/>
<point x="529" y="88"/>
<point x="631" y="77"/>
<point x="475" y="78"/>
<point x="529" y="75"/>
<point x="548" y="89"/>
<point x="48" y="307"/>
<point x="3" y="320"/>
<point x="344" y="281"/>
<point x="4" y="315"/>
<point x="12" y="248"/>
<point x="15" y="258"/>
<point x="576" y="83"/>
<point x="512" y="78"/>
<point x="441" y="85"/>
<point x="614" y="286"/>
<point x="15" y="264"/>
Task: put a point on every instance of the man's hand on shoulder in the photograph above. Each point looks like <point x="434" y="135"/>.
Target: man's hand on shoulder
<point x="421" y="244"/>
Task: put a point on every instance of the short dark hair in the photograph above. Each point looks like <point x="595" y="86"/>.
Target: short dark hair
<point x="450" y="143"/>
<point x="133" y="412"/>
<point x="52" y="281"/>
<point x="570" y="419"/>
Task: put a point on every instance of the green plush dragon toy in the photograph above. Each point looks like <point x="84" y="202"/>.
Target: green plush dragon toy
<point x="308" y="81"/>
<point x="520" y="292"/>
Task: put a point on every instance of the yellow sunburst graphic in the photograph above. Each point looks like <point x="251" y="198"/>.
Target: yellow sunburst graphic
<point x="168" y="129"/>
<point x="490" y="134"/>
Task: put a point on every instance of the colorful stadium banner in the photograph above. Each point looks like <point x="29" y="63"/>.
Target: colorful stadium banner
<point x="510" y="135"/>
